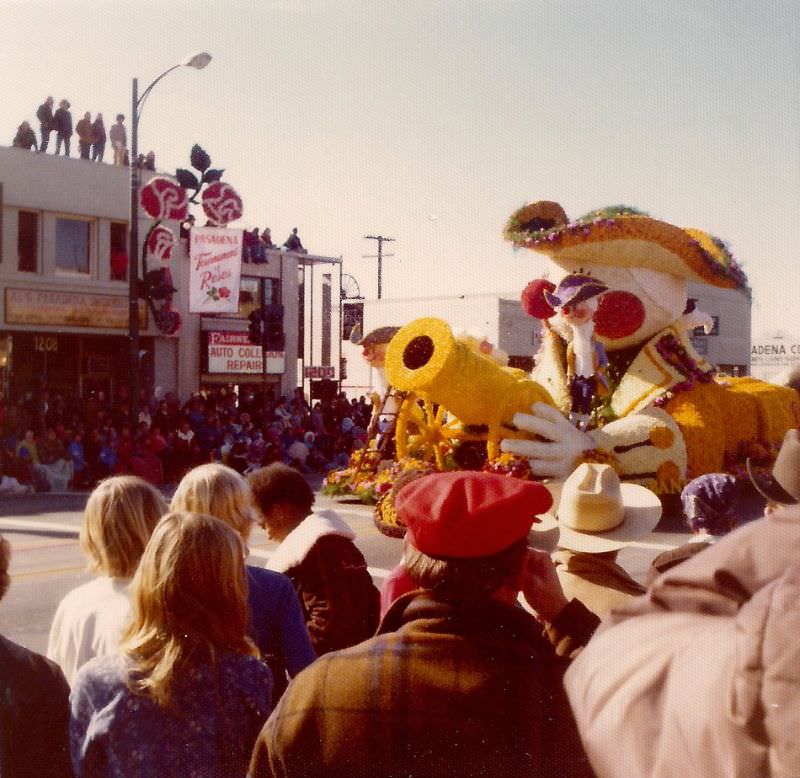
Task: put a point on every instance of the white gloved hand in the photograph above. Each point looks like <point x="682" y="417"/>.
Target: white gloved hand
<point x="555" y="456"/>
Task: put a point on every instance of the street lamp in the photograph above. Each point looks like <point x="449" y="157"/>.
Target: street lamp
<point x="197" y="61"/>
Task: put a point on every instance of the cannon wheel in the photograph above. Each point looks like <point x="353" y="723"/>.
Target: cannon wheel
<point x="426" y="431"/>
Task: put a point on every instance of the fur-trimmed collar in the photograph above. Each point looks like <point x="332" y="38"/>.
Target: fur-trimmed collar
<point x="296" y="545"/>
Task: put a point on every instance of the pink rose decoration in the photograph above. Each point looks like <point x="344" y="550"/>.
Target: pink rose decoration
<point x="224" y="292"/>
<point x="221" y="203"/>
<point x="162" y="198"/>
<point x="160" y="243"/>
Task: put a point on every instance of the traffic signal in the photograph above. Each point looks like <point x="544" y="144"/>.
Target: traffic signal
<point x="274" y="339"/>
<point x="255" y="331"/>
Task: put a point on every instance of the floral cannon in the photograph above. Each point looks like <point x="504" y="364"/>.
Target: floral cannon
<point x="452" y="393"/>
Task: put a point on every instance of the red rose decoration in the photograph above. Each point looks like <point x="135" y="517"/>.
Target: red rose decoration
<point x="221" y="203"/>
<point x="224" y="292"/>
<point x="533" y="301"/>
<point x="160" y="243"/>
<point x="162" y="198"/>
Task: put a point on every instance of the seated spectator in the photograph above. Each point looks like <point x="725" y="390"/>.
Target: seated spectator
<point x="297" y="452"/>
<point x="55" y="465"/>
<point x="459" y="680"/>
<point x="317" y="552"/>
<point x="709" y="507"/>
<point x="81" y="474"/>
<point x="119" y="517"/>
<point x="276" y="620"/>
<point x="26" y="456"/>
<point x="25" y="138"/>
<point x="34" y="711"/>
<point x="596" y="517"/>
<point x="706" y="668"/>
<point x="293" y="243"/>
<point x="187" y="695"/>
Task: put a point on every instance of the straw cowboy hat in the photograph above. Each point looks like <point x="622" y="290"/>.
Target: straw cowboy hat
<point x="783" y="486"/>
<point x="595" y="512"/>
<point x="624" y="237"/>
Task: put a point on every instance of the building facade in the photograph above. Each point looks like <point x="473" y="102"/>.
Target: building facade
<point x="64" y="295"/>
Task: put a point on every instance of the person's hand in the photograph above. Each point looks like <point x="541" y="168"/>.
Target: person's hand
<point x="540" y="585"/>
<point x="557" y="454"/>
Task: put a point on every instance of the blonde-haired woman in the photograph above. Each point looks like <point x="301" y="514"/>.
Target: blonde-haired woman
<point x="276" y="617"/>
<point x="118" y="520"/>
<point x="187" y="694"/>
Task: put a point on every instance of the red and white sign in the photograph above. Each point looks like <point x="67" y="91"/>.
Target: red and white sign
<point x="323" y="371"/>
<point x="232" y="352"/>
<point x="215" y="257"/>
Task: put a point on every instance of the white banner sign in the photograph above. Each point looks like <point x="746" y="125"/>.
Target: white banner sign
<point x="773" y="355"/>
<point x="215" y="256"/>
<point x="232" y="352"/>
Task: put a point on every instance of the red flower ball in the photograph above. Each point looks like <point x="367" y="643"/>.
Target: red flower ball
<point x="162" y="198"/>
<point x="533" y="301"/>
<point x="618" y="315"/>
<point x="221" y="203"/>
<point x="160" y="243"/>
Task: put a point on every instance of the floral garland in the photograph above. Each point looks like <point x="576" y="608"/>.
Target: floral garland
<point x="511" y="465"/>
<point x="675" y="354"/>
<point x="761" y="455"/>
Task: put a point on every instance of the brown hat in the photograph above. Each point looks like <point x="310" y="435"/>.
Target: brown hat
<point x="380" y="335"/>
<point x="624" y="237"/>
<point x="783" y="485"/>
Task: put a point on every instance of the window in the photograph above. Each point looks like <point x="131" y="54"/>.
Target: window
<point x="255" y="293"/>
<point x="118" y="251"/>
<point x="28" y="241"/>
<point x="72" y="245"/>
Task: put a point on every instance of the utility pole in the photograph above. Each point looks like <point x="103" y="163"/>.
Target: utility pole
<point x="379" y="256"/>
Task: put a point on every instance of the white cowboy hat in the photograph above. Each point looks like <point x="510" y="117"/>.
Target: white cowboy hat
<point x="595" y="513"/>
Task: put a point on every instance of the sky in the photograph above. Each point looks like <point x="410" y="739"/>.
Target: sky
<point x="431" y="121"/>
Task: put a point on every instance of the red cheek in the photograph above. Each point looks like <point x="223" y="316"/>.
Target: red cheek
<point x="619" y="314"/>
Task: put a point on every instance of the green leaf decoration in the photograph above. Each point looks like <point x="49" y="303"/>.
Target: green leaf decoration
<point x="212" y="174"/>
<point x="187" y="179"/>
<point x="200" y="160"/>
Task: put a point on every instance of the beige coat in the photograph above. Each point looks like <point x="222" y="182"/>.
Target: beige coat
<point x="705" y="676"/>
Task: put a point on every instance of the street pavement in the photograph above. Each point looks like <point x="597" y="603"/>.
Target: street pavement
<point x="47" y="562"/>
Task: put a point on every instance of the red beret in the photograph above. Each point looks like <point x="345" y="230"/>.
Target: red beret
<point x="469" y="514"/>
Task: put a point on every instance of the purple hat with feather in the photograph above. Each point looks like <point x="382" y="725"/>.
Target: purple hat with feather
<point x="574" y="288"/>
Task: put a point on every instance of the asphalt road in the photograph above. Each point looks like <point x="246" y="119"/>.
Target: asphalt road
<point x="47" y="561"/>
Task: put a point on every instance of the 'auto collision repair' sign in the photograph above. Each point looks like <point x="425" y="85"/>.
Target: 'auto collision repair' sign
<point x="232" y="352"/>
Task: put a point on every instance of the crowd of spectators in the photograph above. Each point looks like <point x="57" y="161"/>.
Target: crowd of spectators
<point x="75" y="443"/>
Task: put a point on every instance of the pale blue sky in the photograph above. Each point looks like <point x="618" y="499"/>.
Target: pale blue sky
<point x="432" y="121"/>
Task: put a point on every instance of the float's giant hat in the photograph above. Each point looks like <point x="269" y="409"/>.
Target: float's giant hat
<point x="624" y="237"/>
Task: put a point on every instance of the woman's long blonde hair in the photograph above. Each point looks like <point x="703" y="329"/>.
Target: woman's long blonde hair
<point x="189" y="600"/>
<point x="119" y="516"/>
<point x="219" y="491"/>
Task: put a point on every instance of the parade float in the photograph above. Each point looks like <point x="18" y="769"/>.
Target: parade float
<point x="616" y="379"/>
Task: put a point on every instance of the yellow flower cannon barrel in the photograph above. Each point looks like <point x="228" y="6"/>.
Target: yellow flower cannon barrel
<point x="426" y="358"/>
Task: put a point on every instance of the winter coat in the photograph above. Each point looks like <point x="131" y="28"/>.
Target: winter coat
<point x="62" y="122"/>
<point x="340" y="602"/>
<point x="85" y="131"/>
<point x="706" y="672"/>
<point x="98" y="131"/>
<point x="44" y="113"/>
<point x="463" y="688"/>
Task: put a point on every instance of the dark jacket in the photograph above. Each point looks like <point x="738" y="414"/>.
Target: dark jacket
<point x="62" y="122"/>
<point x="99" y="131"/>
<point x="34" y="715"/>
<point x="466" y="688"/>
<point x="340" y="603"/>
<point x="44" y="113"/>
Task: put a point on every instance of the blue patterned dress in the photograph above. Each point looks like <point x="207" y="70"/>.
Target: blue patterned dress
<point x="208" y="732"/>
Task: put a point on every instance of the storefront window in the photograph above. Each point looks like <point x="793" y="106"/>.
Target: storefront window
<point x="72" y="245"/>
<point x="118" y="251"/>
<point x="28" y="241"/>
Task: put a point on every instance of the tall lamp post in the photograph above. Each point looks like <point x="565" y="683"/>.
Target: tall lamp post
<point x="197" y="61"/>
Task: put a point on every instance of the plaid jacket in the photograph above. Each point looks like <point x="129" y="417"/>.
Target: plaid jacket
<point x="445" y="688"/>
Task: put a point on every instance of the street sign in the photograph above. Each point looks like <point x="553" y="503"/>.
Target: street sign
<point x="319" y="371"/>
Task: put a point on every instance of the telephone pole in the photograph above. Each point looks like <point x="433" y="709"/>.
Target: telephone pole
<point x="379" y="256"/>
